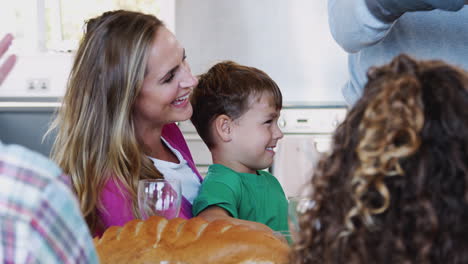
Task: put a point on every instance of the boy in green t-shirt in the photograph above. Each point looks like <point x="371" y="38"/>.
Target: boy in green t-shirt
<point x="236" y="109"/>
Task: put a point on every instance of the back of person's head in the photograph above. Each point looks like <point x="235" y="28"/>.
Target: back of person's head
<point x="394" y="188"/>
<point x="95" y="125"/>
<point x="229" y="89"/>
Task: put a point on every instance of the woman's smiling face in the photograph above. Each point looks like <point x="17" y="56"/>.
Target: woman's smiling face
<point x="164" y="96"/>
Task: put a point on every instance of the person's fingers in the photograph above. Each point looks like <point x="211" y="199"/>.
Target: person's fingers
<point x="6" y="67"/>
<point x="5" y="43"/>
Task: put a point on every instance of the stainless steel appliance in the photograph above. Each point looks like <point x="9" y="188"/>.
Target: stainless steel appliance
<point x="24" y="121"/>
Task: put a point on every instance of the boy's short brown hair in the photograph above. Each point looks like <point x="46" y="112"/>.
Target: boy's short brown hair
<point x="227" y="89"/>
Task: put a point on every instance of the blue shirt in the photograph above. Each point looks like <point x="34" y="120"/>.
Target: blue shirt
<point x="436" y="34"/>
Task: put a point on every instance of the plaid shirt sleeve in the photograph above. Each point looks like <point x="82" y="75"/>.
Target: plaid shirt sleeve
<point x="40" y="221"/>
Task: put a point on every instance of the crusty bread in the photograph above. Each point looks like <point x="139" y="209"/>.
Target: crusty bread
<point x="193" y="241"/>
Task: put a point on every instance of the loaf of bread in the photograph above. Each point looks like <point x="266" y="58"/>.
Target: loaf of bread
<point x="195" y="241"/>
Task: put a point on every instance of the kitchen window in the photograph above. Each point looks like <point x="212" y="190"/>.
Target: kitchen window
<point x="65" y="18"/>
<point x="46" y="35"/>
<point x="57" y="25"/>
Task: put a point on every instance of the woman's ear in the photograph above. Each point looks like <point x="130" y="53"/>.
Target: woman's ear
<point x="223" y="127"/>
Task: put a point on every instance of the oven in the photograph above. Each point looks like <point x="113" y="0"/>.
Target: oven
<point x="307" y="132"/>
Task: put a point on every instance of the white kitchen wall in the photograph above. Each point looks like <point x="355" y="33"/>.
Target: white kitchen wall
<point x="288" y="39"/>
<point x="40" y="75"/>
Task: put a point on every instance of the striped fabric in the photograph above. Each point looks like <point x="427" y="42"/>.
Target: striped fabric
<point x="40" y="221"/>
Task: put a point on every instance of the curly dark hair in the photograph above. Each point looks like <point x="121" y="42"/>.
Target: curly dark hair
<point x="394" y="188"/>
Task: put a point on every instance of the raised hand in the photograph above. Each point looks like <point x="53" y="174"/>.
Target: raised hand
<point x="389" y="10"/>
<point x="6" y="67"/>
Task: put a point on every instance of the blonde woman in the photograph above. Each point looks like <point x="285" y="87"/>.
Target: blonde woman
<point x="129" y="83"/>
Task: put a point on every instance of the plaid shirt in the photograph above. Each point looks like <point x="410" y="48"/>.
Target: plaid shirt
<point x="40" y="221"/>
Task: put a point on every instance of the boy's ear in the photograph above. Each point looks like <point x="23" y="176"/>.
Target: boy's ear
<point x="223" y="127"/>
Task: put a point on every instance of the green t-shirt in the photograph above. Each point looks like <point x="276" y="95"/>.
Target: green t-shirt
<point x="246" y="196"/>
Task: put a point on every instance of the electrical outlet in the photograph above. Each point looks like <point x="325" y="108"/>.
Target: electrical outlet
<point x="38" y="85"/>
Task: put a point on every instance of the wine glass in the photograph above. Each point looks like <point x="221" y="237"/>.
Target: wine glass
<point x="162" y="197"/>
<point x="297" y="206"/>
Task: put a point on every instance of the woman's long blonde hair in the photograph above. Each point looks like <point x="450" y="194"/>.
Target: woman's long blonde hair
<point x="96" y="136"/>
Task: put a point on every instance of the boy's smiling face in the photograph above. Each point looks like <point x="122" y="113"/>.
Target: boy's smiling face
<point x="255" y="134"/>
